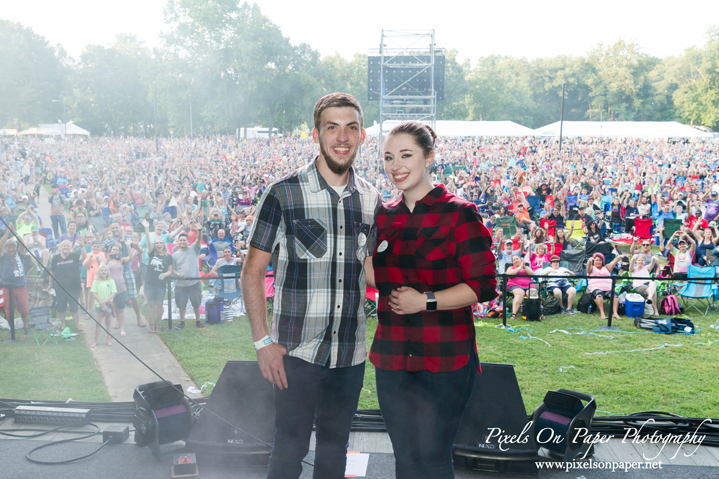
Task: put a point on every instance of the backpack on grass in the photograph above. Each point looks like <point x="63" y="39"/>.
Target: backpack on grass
<point x="551" y="305"/>
<point x="585" y="303"/>
<point x="670" y="306"/>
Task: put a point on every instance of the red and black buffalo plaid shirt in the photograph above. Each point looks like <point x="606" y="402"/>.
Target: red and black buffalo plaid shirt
<point x="438" y="245"/>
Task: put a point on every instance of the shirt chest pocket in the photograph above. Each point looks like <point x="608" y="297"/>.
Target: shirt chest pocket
<point x="310" y="238"/>
<point x="433" y="243"/>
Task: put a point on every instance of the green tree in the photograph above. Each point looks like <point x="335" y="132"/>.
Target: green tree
<point x="236" y="64"/>
<point x="499" y="90"/>
<point x="348" y="76"/>
<point x="32" y="75"/>
<point x="112" y="90"/>
<point x="697" y="96"/>
<point x="619" y="85"/>
<point x="454" y="106"/>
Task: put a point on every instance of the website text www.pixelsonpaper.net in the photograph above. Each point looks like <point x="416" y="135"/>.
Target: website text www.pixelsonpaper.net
<point x="609" y="465"/>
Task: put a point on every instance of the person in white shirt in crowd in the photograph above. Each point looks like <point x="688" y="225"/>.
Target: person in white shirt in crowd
<point x="559" y="285"/>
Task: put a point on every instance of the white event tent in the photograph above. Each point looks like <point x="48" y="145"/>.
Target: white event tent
<point x="622" y="129"/>
<point x="464" y="128"/>
<point x="55" y="129"/>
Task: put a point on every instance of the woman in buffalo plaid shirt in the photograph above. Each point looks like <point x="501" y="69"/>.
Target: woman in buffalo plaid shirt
<point x="432" y="262"/>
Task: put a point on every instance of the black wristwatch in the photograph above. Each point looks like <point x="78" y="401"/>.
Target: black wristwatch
<point x="431" y="302"/>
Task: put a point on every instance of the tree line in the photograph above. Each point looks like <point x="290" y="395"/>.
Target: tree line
<point x="230" y="66"/>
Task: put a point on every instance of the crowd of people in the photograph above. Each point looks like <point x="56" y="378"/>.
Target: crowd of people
<point x="102" y="191"/>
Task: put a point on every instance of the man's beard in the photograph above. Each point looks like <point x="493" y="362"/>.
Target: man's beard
<point x="336" y="168"/>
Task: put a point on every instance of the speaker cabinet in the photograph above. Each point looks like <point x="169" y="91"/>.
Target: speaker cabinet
<point x="495" y="433"/>
<point x="245" y="399"/>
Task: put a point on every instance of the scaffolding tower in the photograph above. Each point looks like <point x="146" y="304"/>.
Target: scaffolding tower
<point x="407" y="80"/>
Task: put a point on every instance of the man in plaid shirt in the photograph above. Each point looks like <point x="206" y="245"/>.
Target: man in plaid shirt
<point x="316" y="227"/>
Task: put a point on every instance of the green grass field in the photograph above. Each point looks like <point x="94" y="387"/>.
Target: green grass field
<point x="53" y="372"/>
<point x="677" y="379"/>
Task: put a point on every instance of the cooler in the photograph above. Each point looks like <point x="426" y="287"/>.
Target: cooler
<point x="634" y="305"/>
<point x="214" y="312"/>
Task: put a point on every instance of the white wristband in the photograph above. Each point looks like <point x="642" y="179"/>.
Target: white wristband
<point x="266" y="341"/>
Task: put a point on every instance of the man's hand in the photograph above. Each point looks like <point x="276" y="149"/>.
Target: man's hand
<point x="271" y="364"/>
<point x="146" y="224"/>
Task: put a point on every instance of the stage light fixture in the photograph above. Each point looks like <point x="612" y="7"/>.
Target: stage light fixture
<point x="562" y="424"/>
<point x="162" y="415"/>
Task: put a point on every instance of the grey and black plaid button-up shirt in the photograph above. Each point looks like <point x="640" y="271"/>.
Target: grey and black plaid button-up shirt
<point x="319" y="240"/>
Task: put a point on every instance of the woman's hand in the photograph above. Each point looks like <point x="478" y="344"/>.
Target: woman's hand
<point x="406" y="300"/>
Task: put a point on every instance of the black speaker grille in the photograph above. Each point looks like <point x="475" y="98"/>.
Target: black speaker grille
<point x="557" y="400"/>
<point x="496" y="402"/>
<point x="243" y="398"/>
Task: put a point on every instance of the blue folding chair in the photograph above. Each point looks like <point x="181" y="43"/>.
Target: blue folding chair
<point x="700" y="288"/>
<point x="46" y="232"/>
<point x="142" y="210"/>
<point x="229" y="289"/>
<point x="216" y="248"/>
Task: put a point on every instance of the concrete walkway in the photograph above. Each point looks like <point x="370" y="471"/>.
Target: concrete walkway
<point x="120" y="370"/>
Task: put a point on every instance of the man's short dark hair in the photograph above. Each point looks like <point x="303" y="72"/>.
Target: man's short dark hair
<point x="183" y="234"/>
<point x="336" y="100"/>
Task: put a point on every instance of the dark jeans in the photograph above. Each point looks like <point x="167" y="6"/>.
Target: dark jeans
<point x="422" y="411"/>
<point x="58" y="225"/>
<point x="320" y="395"/>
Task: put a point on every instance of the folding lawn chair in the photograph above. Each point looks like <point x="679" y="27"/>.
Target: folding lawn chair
<point x="142" y="210"/>
<point x="549" y="199"/>
<point x="607" y="249"/>
<point x="549" y="225"/>
<point x="270" y="288"/>
<point x="46" y="232"/>
<point x="370" y="305"/>
<point x="576" y="260"/>
<point x="534" y="202"/>
<point x="671" y="227"/>
<point x="98" y="223"/>
<point x="41" y="326"/>
<point x="578" y="233"/>
<point x="508" y="225"/>
<point x="643" y="228"/>
<point x="700" y="288"/>
<point x="229" y="289"/>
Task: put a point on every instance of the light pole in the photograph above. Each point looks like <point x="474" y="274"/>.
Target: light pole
<point x="191" y="135"/>
<point x="561" y="122"/>
<point x="154" y="87"/>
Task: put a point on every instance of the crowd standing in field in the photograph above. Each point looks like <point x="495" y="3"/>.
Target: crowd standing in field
<point x="535" y="200"/>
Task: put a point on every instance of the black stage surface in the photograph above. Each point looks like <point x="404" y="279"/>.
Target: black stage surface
<point x="131" y="461"/>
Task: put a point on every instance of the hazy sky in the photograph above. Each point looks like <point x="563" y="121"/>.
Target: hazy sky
<point x="475" y="28"/>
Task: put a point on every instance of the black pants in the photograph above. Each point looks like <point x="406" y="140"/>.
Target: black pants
<point x="323" y="396"/>
<point x="422" y="411"/>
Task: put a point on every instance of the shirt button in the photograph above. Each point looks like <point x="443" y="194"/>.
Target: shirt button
<point x="334" y="332"/>
<point x="340" y="281"/>
<point x="340" y="254"/>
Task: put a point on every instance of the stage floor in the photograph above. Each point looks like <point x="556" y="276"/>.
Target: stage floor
<point x="129" y="460"/>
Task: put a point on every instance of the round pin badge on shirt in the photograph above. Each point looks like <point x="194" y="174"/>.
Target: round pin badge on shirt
<point x="382" y="246"/>
<point x="361" y="239"/>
